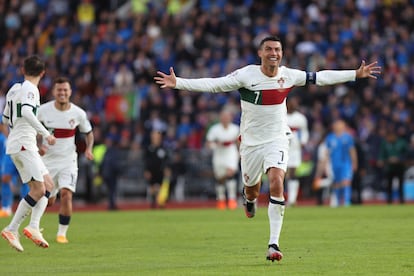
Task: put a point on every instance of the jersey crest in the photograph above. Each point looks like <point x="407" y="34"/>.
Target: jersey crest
<point x="281" y="81"/>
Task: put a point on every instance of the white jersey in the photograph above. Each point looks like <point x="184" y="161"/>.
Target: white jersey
<point x="263" y="98"/>
<point x="63" y="125"/>
<point x="225" y="138"/>
<point x="23" y="130"/>
<point x="298" y="124"/>
<point x="225" y="154"/>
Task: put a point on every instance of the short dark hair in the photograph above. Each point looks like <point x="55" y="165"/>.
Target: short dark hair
<point x="60" y="80"/>
<point x="33" y="66"/>
<point x="269" y="38"/>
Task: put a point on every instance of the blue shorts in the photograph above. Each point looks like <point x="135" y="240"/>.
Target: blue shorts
<point x="8" y="167"/>
<point x="343" y="173"/>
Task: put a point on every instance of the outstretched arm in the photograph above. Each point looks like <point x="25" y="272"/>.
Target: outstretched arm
<point x="166" y="81"/>
<point x="368" y="71"/>
<point x="227" y="83"/>
<point x="330" y="77"/>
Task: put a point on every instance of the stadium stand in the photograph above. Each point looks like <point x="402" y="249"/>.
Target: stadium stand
<point x="111" y="50"/>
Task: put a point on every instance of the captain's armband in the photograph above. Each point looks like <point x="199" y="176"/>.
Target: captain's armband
<point x="310" y="77"/>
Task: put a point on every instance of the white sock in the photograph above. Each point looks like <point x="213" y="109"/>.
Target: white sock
<point x="22" y="211"/>
<point x="231" y="188"/>
<point x="62" y="229"/>
<point x="37" y="212"/>
<point x="293" y="190"/>
<point x="275" y="212"/>
<point x="220" y="192"/>
<point x="333" y="199"/>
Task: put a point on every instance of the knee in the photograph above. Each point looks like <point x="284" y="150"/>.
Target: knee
<point x="65" y="195"/>
<point x="276" y="189"/>
<point x="51" y="201"/>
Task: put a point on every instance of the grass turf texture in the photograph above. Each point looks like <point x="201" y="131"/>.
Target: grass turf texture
<point x="359" y="240"/>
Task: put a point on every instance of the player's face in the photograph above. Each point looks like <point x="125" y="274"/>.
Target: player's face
<point x="225" y="118"/>
<point x="271" y="53"/>
<point x="156" y="138"/>
<point x="62" y="92"/>
<point x="339" y="126"/>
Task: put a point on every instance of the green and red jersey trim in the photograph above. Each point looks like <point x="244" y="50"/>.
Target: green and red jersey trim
<point x="264" y="97"/>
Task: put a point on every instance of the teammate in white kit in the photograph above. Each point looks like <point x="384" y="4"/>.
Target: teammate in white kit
<point x="20" y="113"/>
<point x="222" y="139"/>
<point x="62" y="118"/>
<point x="300" y="135"/>
<point x="263" y="128"/>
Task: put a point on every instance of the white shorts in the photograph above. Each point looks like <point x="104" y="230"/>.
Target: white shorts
<point x="256" y="160"/>
<point x="64" y="175"/>
<point x="223" y="162"/>
<point x="29" y="165"/>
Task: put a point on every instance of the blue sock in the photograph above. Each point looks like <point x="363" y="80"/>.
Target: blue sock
<point x="347" y="195"/>
<point x="24" y="190"/>
<point x="6" y="195"/>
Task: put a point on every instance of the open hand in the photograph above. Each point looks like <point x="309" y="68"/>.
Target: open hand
<point x="166" y="81"/>
<point x="368" y="71"/>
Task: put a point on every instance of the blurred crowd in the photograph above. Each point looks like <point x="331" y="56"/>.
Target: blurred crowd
<point x="112" y="49"/>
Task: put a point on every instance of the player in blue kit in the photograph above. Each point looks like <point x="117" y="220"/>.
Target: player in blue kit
<point x="344" y="162"/>
<point x="9" y="178"/>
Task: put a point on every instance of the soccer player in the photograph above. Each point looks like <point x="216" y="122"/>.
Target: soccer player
<point x="343" y="157"/>
<point x="222" y="139"/>
<point x="299" y="137"/>
<point x="264" y="132"/>
<point x="20" y="113"/>
<point x="62" y="118"/>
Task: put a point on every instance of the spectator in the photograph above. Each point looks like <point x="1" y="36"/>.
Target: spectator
<point x="113" y="165"/>
<point x="205" y="35"/>
<point x="393" y="151"/>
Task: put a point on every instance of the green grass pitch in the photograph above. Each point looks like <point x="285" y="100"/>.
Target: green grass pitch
<point x="358" y="240"/>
